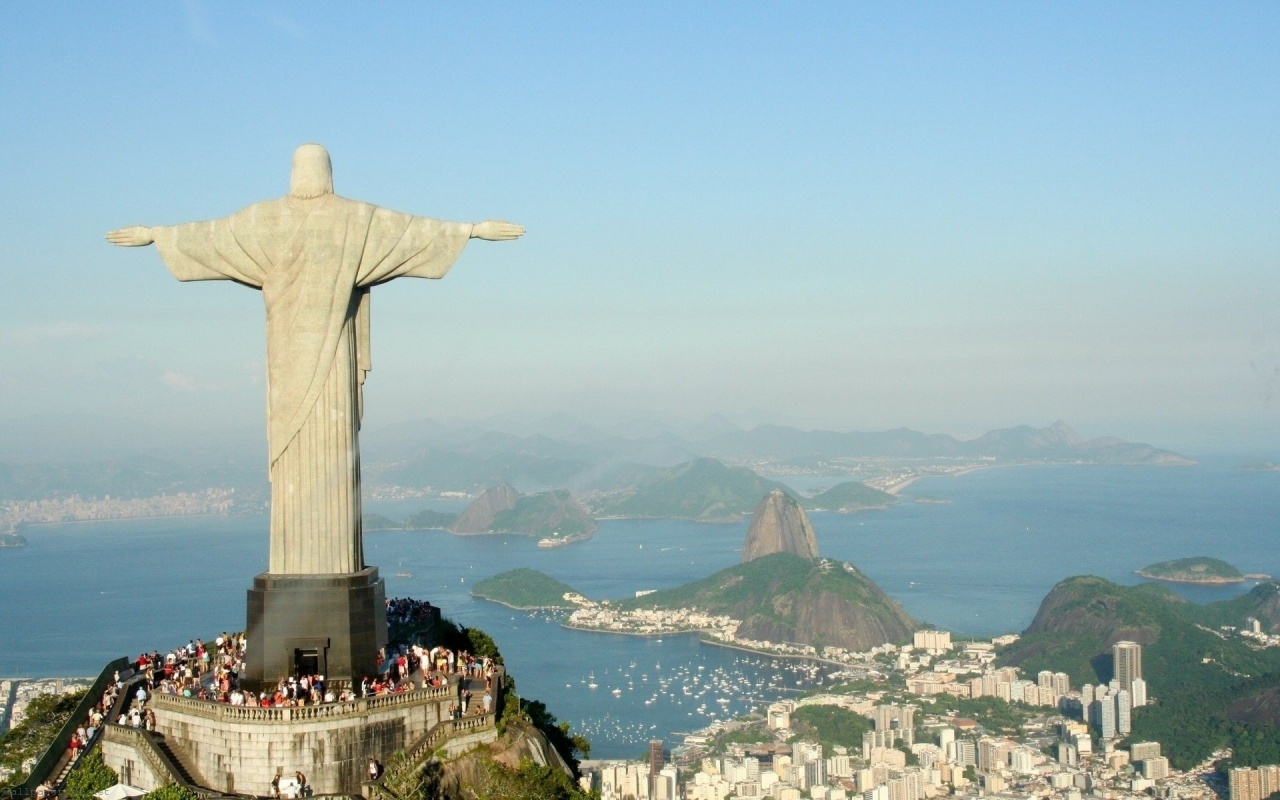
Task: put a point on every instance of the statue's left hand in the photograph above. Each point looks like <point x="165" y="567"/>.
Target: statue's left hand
<point x="133" y="236"/>
<point x="494" y="230"/>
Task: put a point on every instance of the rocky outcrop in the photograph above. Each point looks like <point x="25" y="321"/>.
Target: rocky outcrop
<point x="779" y="525"/>
<point x="481" y="514"/>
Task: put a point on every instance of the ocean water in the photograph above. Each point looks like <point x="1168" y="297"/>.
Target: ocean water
<point x="81" y="594"/>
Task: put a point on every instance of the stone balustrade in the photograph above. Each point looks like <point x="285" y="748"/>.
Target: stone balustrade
<point x="289" y="714"/>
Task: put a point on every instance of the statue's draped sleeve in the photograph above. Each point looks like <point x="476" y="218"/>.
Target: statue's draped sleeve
<point x="399" y="245"/>
<point x="404" y="246"/>
<point x="209" y="251"/>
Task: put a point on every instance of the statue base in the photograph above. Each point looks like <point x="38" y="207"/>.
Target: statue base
<point x="330" y="625"/>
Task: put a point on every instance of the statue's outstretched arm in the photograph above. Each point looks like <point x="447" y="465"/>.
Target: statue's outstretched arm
<point x="133" y="236"/>
<point x="495" y="230"/>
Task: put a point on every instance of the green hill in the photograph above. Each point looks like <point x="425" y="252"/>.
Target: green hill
<point x="524" y="588"/>
<point x="1262" y="603"/>
<point x="849" y="496"/>
<point x="546" y="514"/>
<point x="785" y="598"/>
<point x="1196" y="673"/>
<point x="1199" y="569"/>
<point x="704" y="490"/>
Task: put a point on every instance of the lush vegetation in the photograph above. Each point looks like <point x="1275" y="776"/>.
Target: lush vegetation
<point x="89" y="776"/>
<point x="849" y="496"/>
<point x="1191" y="723"/>
<point x="996" y="715"/>
<point x="527" y="782"/>
<point x="753" y="587"/>
<point x="524" y="588"/>
<point x="544" y="514"/>
<point x="516" y="710"/>
<point x="830" y="725"/>
<point x="783" y="597"/>
<point x="704" y="490"/>
<point x="1199" y="569"/>
<point x="752" y="734"/>
<point x="1197" y="675"/>
<point x="45" y="716"/>
<point x="445" y="633"/>
<point x="171" y="792"/>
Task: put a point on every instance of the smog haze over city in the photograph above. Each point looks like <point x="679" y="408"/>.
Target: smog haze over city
<point x="850" y="216"/>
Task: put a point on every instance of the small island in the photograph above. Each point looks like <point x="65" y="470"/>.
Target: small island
<point x="526" y="589"/>
<point x="11" y="540"/>
<point x="1199" y="569"/>
<point x="1261" y="466"/>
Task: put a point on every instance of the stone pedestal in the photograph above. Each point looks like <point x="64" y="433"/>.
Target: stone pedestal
<point x="331" y="625"/>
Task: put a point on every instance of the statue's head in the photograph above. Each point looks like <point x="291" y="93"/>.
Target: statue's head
<point x="312" y="172"/>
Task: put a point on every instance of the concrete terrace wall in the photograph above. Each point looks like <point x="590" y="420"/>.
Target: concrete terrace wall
<point x="236" y="749"/>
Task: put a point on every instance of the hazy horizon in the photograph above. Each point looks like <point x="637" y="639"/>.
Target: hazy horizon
<point x="947" y="218"/>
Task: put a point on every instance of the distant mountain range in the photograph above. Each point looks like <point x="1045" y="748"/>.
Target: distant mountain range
<point x="586" y="459"/>
<point x="559" y="453"/>
<point x="704" y="490"/>
<point x="1058" y="442"/>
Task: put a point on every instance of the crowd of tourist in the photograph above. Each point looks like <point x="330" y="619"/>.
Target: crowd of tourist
<point x="211" y="672"/>
<point x="407" y="611"/>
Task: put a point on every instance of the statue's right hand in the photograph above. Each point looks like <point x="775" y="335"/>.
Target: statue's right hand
<point x="133" y="236"/>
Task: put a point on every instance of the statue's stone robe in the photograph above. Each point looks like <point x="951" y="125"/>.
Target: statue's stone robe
<point x="314" y="261"/>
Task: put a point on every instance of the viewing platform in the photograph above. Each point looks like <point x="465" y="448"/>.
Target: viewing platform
<point x="216" y="748"/>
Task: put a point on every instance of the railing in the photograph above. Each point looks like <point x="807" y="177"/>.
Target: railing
<point x="229" y="713"/>
<point x="403" y="778"/>
<point x="165" y="771"/>
<point x="42" y="770"/>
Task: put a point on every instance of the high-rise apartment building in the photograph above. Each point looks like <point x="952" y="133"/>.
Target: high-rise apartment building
<point x="1127" y="661"/>
<point x="1124" y="713"/>
<point x="1155" y="769"/>
<point x="655" y="764"/>
<point x="1141" y="751"/>
<point x="1245" y="784"/>
<point x="933" y="641"/>
<point x="1106" y="717"/>
<point x="1139" y="692"/>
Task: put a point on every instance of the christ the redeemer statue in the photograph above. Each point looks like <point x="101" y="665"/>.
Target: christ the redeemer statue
<point x="315" y="256"/>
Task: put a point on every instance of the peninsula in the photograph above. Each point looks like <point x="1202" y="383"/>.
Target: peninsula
<point x="1198" y="569"/>
<point x="527" y="590"/>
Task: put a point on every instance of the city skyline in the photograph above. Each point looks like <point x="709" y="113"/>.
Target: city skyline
<point x="953" y="220"/>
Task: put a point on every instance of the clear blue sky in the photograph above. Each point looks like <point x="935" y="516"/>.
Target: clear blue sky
<point x="951" y="217"/>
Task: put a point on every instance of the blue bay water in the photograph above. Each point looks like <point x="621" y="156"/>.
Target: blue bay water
<point x="79" y="595"/>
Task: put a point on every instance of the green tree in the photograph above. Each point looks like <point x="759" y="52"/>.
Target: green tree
<point x="90" y="775"/>
<point x="831" y="725"/>
<point x="527" y="782"/>
<point x="172" y="792"/>
<point x="45" y="716"/>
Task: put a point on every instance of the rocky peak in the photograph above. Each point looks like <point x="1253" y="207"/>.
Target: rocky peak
<point x="480" y="515"/>
<point x="779" y="525"/>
